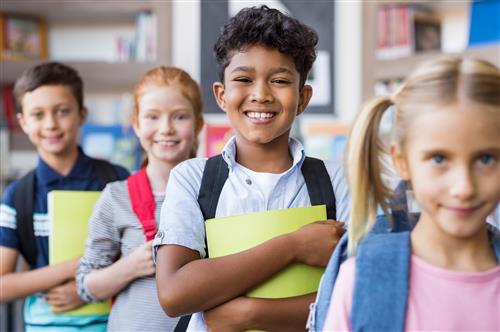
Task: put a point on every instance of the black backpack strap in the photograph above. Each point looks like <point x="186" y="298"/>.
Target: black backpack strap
<point x="24" y="197"/>
<point x="105" y="172"/>
<point x="319" y="185"/>
<point x="182" y="324"/>
<point x="214" y="176"/>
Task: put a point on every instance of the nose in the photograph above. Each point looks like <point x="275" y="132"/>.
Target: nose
<point x="50" y="121"/>
<point x="167" y="126"/>
<point x="463" y="184"/>
<point x="261" y="93"/>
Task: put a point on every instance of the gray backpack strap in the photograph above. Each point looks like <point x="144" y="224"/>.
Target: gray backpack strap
<point x="381" y="283"/>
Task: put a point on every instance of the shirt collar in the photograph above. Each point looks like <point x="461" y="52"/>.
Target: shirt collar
<point x="82" y="169"/>
<point x="295" y="147"/>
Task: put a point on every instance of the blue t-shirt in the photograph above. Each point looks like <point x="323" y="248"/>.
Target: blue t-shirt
<point x="82" y="176"/>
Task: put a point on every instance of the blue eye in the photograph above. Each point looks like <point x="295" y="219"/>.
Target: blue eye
<point x="486" y="159"/>
<point x="438" y="159"/>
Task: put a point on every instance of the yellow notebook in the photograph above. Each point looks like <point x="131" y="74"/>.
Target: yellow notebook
<point x="69" y="213"/>
<point x="229" y="235"/>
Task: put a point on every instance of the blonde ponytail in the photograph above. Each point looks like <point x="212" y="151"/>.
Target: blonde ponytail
<point x="364" y="170"/>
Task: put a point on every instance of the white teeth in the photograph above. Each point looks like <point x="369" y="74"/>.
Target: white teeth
<point x="167" y="143"/>
<point x="260" y="115"/>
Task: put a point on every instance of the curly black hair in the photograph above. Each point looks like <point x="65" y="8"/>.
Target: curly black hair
<point x="269" y="27"/>
<point x="48" y="73"/>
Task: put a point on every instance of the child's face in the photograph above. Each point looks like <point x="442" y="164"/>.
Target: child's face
<point x="260" y="94"/>
<point x="51" y="118"/>
<point x="452" y="159"/>
<point x="165" y="125"/>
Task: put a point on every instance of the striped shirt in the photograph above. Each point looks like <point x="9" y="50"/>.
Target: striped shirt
<point x="115" y="231"/>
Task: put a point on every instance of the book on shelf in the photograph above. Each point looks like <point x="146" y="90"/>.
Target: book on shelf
<point x="484" y="23"/>
<point x="69" y="213"/>
<point x="405" y="29"/>
<point x="22" y="38"/>
<point x="8" y="117"/>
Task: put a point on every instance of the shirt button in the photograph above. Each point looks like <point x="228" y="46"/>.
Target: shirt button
<point x="248" y="181"/>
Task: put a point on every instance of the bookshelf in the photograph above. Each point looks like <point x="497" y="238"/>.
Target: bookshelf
<point x="85" y="35"/>
<point x="108" y="14"/>
<point x="454" y="17"/>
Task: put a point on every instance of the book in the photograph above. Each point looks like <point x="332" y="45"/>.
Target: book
<point x="69" y="213"/>
<point x="229" y="235"/>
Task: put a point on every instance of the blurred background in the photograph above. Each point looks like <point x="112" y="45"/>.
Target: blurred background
<point x="366" y="48"/>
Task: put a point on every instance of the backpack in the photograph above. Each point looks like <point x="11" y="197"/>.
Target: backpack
<point x="317" y="179"/>
<point x="385" y="308"/>
<point x="319" y="185"/>
<point x="24" y="197"/>
<point x="143" y="205"/>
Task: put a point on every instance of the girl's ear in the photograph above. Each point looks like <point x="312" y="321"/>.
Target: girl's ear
<point x="219" y="94"/>
<point x="304" y="97"/>
<point x="135" y="125"/>
<point x="400" y="162"/>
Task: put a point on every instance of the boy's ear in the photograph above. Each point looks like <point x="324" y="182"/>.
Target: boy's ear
<point x="219" y="94"/>
<point x="22" y="122"/>
<point x="304" y="97"/>
<point x="83" y="115"/>
<point x="400" y="163"/>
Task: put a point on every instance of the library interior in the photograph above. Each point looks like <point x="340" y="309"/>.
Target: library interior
<point x="365" y="49"/>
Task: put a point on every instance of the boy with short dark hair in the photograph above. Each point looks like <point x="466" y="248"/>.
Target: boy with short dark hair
<point x="264" y="57"/>
<point x="50" y="111"/>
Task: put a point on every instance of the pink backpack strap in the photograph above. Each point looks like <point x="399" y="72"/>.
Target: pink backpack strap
<point x="143" y="203"/>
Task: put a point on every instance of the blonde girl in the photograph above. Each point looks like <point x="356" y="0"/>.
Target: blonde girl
<point x="446" y="145"/>
<point x="118" y="262"/>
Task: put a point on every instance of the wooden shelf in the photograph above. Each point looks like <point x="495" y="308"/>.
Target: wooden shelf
<point x="67" y="11"/>
<point x="375" y="69"/>
<point x="96" y="75"/>
<point x="398" y="68"/>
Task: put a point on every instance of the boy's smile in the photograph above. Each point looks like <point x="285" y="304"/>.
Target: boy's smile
<point x="51" y="118"/>
<point x="260" y="95"/>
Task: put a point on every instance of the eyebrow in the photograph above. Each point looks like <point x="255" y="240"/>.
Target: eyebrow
<point x="276" y="70"/>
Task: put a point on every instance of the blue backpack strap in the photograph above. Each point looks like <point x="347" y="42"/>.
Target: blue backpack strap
<point x="319" y="309"/>
<point x="24" y="203"/>
<point x="381" y="283"/>
<point x="319" y="185"/>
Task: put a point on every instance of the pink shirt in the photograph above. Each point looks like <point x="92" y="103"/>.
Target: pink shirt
<point x="438" y="299"/>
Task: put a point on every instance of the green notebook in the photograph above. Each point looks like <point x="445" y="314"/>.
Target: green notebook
<point x="229" y="235"/>
<point x="69" y="214"/>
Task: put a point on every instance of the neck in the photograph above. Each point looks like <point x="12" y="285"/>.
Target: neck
<point x="63" y="162"/>
<point x="158" y="173"/>
<point x="437" y="247"/>
<point x="272" y="157"/>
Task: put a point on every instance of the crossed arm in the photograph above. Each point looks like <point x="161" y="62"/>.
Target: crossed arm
<point x="188" y="284"/>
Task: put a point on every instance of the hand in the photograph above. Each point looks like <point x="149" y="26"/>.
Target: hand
<point x="141" y="260"/>
<point x="69" y="268"/>
<point x="314" y="243"/>
<point x="63" y="297"/>
<point x="229" y="317"/>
